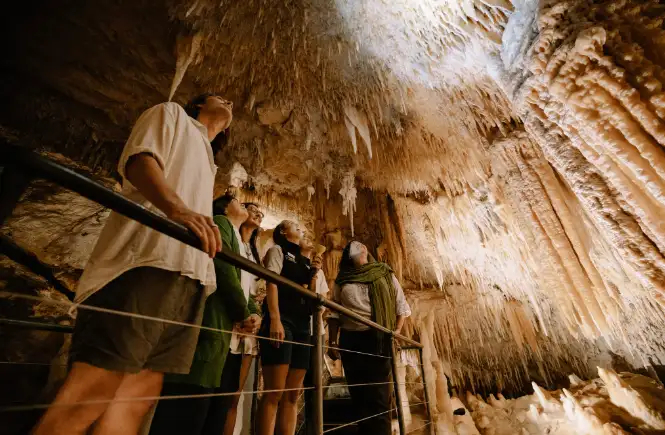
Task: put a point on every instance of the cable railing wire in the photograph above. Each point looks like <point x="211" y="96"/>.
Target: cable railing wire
<point x="23" y="158"/>
<point x="20" y="160"/>
<point x="356" y="351"/>
<point x="358" y="421"/>
<point x="83" y="306"/>
<point x="138" y="316"/>
<point x="419" y="427"/>
<point x="188" y="396"/>
<point x="142" y="399"/>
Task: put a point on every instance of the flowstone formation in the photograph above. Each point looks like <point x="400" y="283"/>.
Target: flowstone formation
<point x="614" y="404"/>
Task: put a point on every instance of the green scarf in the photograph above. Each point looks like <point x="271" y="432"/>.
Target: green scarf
<point x="382" y="293"/>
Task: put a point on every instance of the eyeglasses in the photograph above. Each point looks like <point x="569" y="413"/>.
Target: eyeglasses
<point x="255" y="212"/>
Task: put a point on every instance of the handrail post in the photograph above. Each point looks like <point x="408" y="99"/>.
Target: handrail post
<point x="425" y="390"/>
<point x="398" y="392"/>
<point x="317" y="371"/>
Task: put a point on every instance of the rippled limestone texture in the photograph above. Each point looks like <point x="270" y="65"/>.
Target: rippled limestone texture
<point x="582" y="185"/>
<point x="591" y="97"/>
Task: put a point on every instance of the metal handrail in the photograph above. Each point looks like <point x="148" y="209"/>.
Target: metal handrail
<point x="65" y="177"/>
<point x="37" y="325"/>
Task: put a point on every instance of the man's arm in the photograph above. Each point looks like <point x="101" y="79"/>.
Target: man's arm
<point x="145" y="173"/>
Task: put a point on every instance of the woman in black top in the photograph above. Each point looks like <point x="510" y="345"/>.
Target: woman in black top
<point x="287" y="316"/>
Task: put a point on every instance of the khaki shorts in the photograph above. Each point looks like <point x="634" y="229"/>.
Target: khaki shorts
<point x="130" y="344"/>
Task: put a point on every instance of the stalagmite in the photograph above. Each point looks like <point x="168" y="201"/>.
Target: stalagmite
<point x="574" y="380"/>
<point x="648" y="408"/>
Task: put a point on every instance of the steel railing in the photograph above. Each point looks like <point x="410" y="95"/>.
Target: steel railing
<point x="20" y="166"/>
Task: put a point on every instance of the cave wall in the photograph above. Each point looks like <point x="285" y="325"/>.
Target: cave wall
<point x="587" y="87"/>
<point x="566" y="225"/>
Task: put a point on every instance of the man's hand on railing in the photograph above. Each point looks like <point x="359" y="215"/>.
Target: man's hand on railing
<point x="203" y="226"/>
<point x="147" y="175"/>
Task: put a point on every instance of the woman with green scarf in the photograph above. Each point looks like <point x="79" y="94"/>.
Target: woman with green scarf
<point x="371" y="290"/>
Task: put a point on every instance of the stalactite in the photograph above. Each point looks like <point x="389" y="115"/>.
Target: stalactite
<point x="348" y="193"/>
<point x="187" y="49"/>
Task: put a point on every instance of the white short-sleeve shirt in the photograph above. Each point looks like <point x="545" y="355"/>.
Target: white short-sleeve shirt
<point x="355" y="296"/>
<point x="180" y="145"/>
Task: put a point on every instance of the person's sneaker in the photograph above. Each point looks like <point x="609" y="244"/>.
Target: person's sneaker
<point x="459" y="411"/>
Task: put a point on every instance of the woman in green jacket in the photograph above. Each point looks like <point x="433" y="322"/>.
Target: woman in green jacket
<point x="225" y="307"/>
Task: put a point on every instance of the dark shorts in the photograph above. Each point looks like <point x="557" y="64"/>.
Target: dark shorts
<point x="130" y="344"/>
<point x="230" y="382"/>
<point x="293" y="355"/>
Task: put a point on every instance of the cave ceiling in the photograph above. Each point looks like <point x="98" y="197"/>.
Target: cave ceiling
<point x="305" y="77"/>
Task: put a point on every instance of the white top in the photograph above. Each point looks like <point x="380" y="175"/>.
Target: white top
<point x="355" y="296"/>
<point x="248" y="281"/>
<point x="181" y="147"/>
<point x="322" y="289"/>
<point x="240" y="344"/>
<point x="274" y="259"/>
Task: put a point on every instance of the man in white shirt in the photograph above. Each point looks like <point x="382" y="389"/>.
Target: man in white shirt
<point x="167" y="166"/>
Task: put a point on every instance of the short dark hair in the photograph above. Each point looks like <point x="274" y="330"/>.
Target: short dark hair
<point x="254" y="248"/>
<point x="193" y="109"/>
<point x="220" y="205"/>
<point x="247" y="204"/>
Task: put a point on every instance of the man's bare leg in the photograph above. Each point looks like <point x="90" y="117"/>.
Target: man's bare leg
<point x="84" y="383"/>
<point x="125" y="418"/>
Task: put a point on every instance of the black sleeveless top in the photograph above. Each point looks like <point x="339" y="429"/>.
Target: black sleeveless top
<point x="293" y="308"/>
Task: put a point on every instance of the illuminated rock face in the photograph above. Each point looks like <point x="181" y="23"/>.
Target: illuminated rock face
<point x="506" y="158"/>
<point x="614" y="404"/>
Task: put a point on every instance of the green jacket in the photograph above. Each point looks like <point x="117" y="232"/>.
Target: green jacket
<point x="226" y="306"/>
